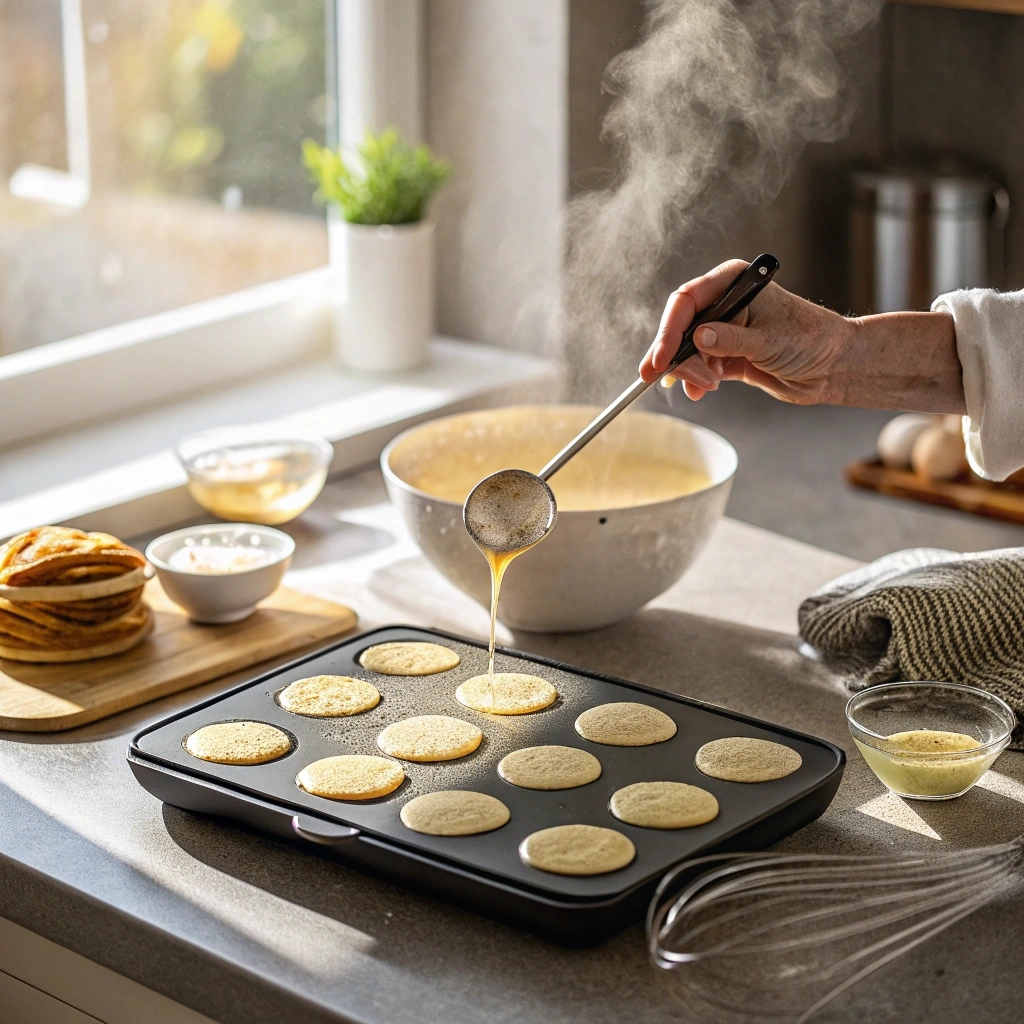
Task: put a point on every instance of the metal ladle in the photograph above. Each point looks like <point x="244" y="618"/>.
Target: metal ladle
<point x="514" y="509"/>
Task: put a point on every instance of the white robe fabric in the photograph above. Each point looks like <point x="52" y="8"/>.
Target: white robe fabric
<point x="990" y="343"/>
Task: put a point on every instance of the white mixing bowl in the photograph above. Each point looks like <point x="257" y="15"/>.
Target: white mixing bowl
<point x="609" y="553"/>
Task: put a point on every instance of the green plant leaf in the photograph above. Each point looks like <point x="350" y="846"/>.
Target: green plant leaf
<point x="387" y="182"/>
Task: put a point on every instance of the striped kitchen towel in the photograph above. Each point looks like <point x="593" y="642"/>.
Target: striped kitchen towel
<point x="925" y="613"/>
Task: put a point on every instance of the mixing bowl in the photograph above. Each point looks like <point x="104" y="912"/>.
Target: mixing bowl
<point x="635" y="507"/>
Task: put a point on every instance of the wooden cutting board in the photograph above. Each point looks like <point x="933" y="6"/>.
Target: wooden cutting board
<point x="176" y="655"/>
<point x="968" y="492"/>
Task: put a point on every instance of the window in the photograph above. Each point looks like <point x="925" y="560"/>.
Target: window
<point x="150" y="156"/>
<point x="157" y="233"/>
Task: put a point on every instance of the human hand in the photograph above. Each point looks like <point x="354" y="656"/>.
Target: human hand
<point x="806" y="354"/>
<point x="780" y="342"/>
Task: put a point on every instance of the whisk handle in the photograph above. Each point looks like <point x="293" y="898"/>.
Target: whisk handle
<point x="744" y="289"/>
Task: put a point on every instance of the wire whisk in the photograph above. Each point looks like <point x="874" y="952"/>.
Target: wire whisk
<point x="780" y="935"/>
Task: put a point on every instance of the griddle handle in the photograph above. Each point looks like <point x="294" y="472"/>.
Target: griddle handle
<point x="325" y="833"/>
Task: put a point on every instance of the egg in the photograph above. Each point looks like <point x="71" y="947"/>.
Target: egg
<point x="896" y="441"/>
<point x="938" y="455"/>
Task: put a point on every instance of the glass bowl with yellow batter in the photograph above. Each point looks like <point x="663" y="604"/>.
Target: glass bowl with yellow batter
<point x="929" y="740"/>
<point x="255" y="473"/>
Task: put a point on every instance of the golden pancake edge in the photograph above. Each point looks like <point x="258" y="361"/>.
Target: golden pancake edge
<point x="351" y="777"/>
<point x="427" y="738"/>
<point x="577" y="850"/>
<point x="238" y="743"/>
<point x="329" y="696"/>
<point x="90" y="614"/>
<point x="663" y="805"/>
<point x="549" y="767"/>
<point x="625" y="724"/>
<point x="454" y="812"/>
<point x="746" y="759"/>
<point x="408" y="658"/>
<point x="515" y="693"/>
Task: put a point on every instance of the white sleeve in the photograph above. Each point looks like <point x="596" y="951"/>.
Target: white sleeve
<point x="990" y="343"/>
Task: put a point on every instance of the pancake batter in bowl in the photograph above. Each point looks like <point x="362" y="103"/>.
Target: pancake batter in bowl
<point x="594" y="479"/>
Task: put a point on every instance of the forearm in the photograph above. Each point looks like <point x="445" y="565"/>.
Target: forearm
<point x="905" y="361"/>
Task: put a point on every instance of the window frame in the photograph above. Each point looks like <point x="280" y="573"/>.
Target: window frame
<point x="378" y="47"/>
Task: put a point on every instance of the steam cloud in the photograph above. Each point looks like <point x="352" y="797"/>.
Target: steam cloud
<point x="713" y="108"/>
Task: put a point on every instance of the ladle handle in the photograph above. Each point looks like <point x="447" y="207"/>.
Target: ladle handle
<point x="627" y="398"/>
<point x="735" y="298"/>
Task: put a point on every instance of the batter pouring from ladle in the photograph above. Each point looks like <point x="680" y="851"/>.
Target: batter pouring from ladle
<point x="507" y="514"/>
<point x="510" y="511"/>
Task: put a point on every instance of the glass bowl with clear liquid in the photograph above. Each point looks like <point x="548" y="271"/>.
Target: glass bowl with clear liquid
<point x="249" y="475"/>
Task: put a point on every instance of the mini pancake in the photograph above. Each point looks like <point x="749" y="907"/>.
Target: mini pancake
<point x="549" y="767"/>
<point x="577" y="850"/>
<point x="329" y="696"/>
<point x="515" y="693"/>
<point x="454" y="812"/>
<point x="625" y="724"/>
<point x="745" y="759"/>
<point x="351" y="777"/>
<point x="430" y="738"/>
<point x="663" y="805"/>
<point x="238" y="743"/>
<point x="408" y="658"/>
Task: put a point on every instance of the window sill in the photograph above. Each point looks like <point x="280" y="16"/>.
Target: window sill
<point x="121" y="475"/>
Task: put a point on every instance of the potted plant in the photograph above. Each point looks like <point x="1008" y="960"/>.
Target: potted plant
<point x="387" y="317"/>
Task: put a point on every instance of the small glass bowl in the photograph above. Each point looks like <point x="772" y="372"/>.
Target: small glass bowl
<point x="254" y="474"/>
<point x="891" y="724"/>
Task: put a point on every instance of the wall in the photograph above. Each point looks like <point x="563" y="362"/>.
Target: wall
<point x="916" y="85"/>
<point x="805" y="225"/>
<point x="598" y="30"/>
<point x="497" y="109"/>
<point x="958" y="83"/>
<point x="515" y="101"/>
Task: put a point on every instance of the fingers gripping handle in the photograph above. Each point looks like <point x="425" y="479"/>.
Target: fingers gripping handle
<point x="735" y="298"/>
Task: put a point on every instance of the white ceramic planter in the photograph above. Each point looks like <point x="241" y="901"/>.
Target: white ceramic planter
<point x="386" y="319"/>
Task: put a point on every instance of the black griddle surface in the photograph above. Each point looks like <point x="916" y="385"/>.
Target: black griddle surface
<point x="496" y="853"/>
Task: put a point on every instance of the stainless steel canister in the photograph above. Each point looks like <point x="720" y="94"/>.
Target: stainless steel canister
<point x="918" y="233"/>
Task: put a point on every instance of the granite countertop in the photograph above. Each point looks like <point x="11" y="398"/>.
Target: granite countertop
<point x="250" y="930"/>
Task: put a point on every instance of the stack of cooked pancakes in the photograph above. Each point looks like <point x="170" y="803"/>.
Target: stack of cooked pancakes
<point x="68" y="630"/>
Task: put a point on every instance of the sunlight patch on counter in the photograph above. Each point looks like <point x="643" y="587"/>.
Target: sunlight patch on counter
<point x="893" y="811"/>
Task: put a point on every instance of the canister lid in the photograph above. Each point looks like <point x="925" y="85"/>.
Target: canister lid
<point x="939" y="189"/>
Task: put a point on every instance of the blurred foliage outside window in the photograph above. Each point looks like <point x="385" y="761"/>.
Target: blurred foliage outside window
<point x="243" y="83"/>
<point x="186" y="97"/>
<point x="196" y="114"/>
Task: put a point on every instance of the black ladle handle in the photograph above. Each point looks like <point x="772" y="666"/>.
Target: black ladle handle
<point x="735" y="298"/>
<point x="739" y="294"/>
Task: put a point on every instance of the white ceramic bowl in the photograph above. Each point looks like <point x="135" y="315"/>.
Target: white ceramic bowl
<point x="225" y="596"/>
<point x="598" y="565"/>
